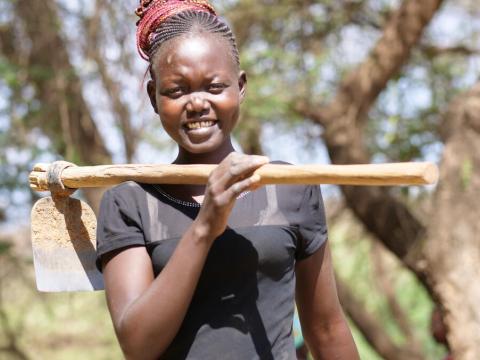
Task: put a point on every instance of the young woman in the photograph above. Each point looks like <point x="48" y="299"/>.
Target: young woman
<point x="211" y="272"/>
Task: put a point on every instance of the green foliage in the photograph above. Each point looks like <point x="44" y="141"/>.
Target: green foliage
<point x="5" y="247"/>
<point x="270" y="51"/>
<point x="73" y="326"/>
<point x="466" y="173"/>
<point x="352" y="255"/>
<point x="8" y="73"/>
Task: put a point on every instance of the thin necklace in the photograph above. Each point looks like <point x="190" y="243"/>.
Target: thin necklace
<point x="187" y="203"/>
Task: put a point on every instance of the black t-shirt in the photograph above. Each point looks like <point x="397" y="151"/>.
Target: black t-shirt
<point x="244" y="302"/>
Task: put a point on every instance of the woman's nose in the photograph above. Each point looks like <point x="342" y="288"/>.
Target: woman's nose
<point x="197" y="104"/>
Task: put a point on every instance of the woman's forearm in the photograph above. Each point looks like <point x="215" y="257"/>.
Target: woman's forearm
<point x="149" y="324"/>
<point x="332" y="342"/>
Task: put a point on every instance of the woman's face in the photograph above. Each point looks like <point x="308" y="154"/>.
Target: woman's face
<point x="197" y="90"/>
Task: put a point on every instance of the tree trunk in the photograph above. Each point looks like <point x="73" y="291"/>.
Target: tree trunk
<point x="344" y="118"/>
<point x="452" y="249"/>
<point x="120" y="109"/>
<point x="249" y="136"/>
<point x="68" y="121"/>
<point x="66" y="118"/>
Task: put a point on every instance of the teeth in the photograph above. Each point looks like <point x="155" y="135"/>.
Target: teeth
<point x="199" y="124"/>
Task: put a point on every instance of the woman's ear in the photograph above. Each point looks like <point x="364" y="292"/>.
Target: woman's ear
<point x="151" y="90"/>
<point x="242" y="84"/>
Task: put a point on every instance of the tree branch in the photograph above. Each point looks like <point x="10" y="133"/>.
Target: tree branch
<point x="64" y="115"/>
<point x="432" y="51"/>
<point x="344" y="118"/>
<point x="120" y="108"/>
<point x="384" y="282"/>
<point x="58" y="88"/>
<point x="360" y="89"/>
<point x="371" y="329"/>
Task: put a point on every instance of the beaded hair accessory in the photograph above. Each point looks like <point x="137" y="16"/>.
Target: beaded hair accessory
<point x="153" y="13"/>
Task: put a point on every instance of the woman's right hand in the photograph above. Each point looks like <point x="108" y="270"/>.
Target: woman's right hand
<point x="230" y="178"/>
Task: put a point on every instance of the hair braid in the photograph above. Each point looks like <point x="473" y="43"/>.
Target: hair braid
<point x="163" y="20"/>
<point x="192" y="21"/>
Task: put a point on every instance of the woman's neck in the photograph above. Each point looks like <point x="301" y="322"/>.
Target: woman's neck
<point x="195" y="192"/>
<point x="213" y="157"/>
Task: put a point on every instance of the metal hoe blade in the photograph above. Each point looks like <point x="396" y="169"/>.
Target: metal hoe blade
<point x="63" y="242"/>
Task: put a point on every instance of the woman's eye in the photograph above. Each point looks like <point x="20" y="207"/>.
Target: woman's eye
<point x="176" y="91"/>
<point x="216" y="88"/>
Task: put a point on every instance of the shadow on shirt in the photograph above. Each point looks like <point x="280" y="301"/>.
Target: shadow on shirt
<point x="225" y="297"/>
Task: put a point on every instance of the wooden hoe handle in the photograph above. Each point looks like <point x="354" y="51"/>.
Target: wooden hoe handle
<point x="369" y="174"/>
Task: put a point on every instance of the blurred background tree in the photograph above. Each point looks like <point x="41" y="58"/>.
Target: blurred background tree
<point x="346" y="81"/>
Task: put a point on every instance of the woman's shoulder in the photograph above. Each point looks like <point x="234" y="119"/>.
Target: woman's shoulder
<point x="127" y="191"/>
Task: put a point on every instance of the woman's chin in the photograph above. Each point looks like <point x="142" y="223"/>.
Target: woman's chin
<point x="201" y="143"/>
<point x="203" y="147"/>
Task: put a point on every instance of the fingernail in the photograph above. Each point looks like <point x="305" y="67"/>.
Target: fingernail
<point x="262" y="160"/>
<point x="255" y="178"/>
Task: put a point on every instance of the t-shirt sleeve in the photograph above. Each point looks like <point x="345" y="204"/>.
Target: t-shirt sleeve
<point x="312" y="225"/>
<point x="118" y="224"/>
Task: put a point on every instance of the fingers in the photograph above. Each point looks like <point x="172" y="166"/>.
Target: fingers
<point x="237" y="167"/>
<point x="246" y="163"/>
<point x="244" y="185"/>
<point x="230" y="178"/>
<point x="237" y="188"/>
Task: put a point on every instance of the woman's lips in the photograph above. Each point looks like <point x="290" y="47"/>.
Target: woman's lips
<point x="199" y="131"/>
<point x="199" y="124"/>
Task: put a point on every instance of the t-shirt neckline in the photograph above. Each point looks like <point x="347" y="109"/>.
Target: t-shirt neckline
<point x="184" y="202"/>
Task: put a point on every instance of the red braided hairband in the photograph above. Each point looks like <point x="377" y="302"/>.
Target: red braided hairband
<point x="152" y="13"/>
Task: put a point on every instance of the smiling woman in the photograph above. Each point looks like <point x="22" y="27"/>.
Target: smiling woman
<point x="196" y="89"/>
<point x="211" y="272"/>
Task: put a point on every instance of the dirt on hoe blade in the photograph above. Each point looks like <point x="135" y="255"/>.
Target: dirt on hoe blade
<point x="63" y="243"/>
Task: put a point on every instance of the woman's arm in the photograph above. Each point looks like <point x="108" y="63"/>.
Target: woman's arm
<point x="147" y="312"/>
<point x="324" y="326"/>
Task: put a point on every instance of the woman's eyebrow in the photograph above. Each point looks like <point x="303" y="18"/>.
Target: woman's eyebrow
<point x="172" y="78"/>
<point x="222" y="76"/>
<point x="179" y="78"/>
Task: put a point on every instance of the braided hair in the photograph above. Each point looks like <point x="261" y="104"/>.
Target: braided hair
<point x="163" y="20"/>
